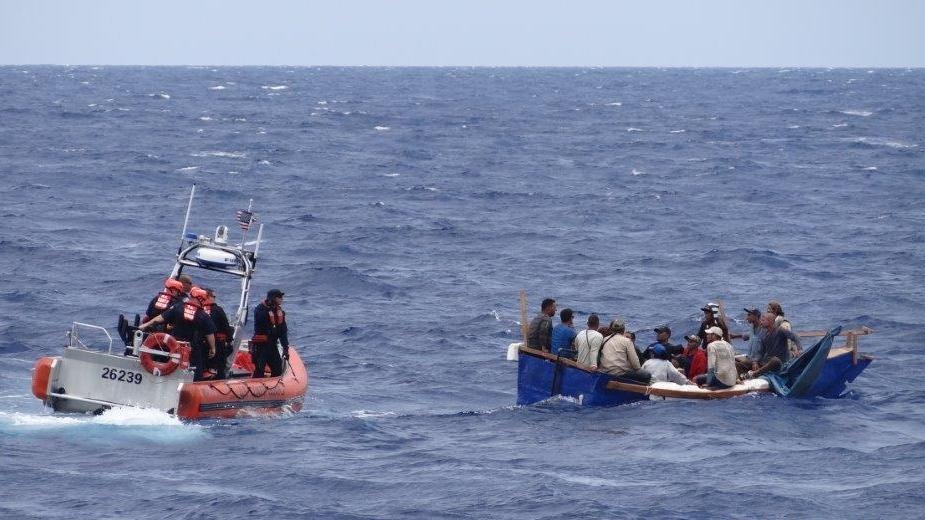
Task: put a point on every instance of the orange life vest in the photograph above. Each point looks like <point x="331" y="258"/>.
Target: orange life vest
<point x="164" y="299"/>
<point x="276" y="316"/>
<point x="189" y="309"/>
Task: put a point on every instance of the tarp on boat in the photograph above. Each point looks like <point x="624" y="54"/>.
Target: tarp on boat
<point x="797" y="377"/>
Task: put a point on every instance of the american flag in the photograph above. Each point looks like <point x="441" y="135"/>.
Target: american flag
<point x="245" y="218"/>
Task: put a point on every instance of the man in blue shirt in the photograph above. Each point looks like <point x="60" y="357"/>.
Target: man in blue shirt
<point x="663" y="338"/>
<point x="563" y="335"/>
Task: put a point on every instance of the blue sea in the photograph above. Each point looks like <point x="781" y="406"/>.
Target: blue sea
<point x="403" y="210"/>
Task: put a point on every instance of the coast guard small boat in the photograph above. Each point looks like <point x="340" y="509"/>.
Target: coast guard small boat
<point x="152" y="370"/>
<point x="820" y="371"/>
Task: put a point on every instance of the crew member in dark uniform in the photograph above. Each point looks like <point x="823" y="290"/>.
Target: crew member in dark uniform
<point x="270" y="328"/>
<point x="223" y="334"/>
<point x="191" y="324"/>
<point x="164" y="300"/>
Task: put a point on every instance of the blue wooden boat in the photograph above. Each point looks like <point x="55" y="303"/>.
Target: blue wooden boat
<point x="821" y="371"/>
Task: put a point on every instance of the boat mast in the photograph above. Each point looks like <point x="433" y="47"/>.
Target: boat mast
<point x="186" y="220"/>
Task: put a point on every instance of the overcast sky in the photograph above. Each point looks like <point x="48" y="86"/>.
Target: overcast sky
<point x="685" y="33"/>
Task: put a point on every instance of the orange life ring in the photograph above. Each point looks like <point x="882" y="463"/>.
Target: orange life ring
<point x="167" y="343"/>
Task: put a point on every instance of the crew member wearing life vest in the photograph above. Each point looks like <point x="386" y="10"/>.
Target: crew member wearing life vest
<point x="269" y="329"/>
<point x="223" y="334"/>
<point x="191" y="324"/>
<point x="164" y="299"/>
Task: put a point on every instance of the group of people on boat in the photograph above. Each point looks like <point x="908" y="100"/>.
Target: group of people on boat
<point x="191" y="314"/>
<point x="707" y="359"/>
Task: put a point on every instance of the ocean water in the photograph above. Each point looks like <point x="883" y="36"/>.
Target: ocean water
<point x="404" y="209"/>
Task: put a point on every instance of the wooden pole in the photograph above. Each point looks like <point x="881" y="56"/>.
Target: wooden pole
<point x="722" y="317"/>
<point x="523" y="316"/>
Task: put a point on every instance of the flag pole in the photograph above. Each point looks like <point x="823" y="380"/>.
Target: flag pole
<point x="250" y="216"/>
<point x="523" y="315"/>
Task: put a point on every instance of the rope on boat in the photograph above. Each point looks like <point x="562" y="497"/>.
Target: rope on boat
<point x="248" y="389"/>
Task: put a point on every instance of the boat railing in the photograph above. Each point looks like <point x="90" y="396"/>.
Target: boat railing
<point x="74" y="339"/>
<point x="851" y="339"/>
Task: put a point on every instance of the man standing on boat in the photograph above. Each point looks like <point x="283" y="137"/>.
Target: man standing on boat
<point x="711" y="318"/>
<point x="164" y="299"/>
<point x="563" y="335"/>
<point x="588" y="343"/>
<point x="540" y="335"/>
<point x="269" y="329"/>
<point x="223" y="334"/>
<point x="193" y="325"/>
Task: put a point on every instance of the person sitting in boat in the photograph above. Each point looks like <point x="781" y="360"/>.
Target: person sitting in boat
<point x="540" y="334"/>
<point x="164" y="299"/>
<point x="588" y="343"/>
<point x="223" y="334"/>
<point x="774" y="350"/>
<point x="270" y="329"/>
<point x="711" y="318"/>
<point x="721" y="367"/>
<point x="618" y="355"/>
<point x="694" y="358"/>
<point x="783" y="323"/>
<point x="191" y="324"/>
<point x="563" y="335"/>
<point x="663" y="338"/>
<point x="661" y="369"/>
<point x="754" y="335"/>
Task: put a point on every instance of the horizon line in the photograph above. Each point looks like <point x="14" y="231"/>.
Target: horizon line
<point x="753" y="67"/>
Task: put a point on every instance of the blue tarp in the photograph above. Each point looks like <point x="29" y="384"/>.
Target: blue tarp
<point x="797" y="377"/>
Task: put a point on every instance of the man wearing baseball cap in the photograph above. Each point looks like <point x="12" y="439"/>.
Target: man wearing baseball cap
<point x="711" y="318"/>
<point x="721" y="367"/>
<point x="663" y="338"/>
<point x="270" y="329"/>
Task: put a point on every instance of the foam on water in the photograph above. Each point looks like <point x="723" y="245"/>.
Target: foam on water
<point x="861" y="113"/>
<point x="116" y="422"/>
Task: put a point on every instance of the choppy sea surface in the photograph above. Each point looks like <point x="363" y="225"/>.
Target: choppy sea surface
<point x="404" y="209"/>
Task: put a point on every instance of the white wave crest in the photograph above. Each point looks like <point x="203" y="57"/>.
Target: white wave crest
<point x="882" y="141"/>
<point x="638" y="172"/>
<point x="205" y="118"/>
<point x="681" y="131"/>
<point x="614" y="104"/>
<point x="382" y="128"/>
<point x="230" y="155"/>
<point x="188" y="169"/>
<point x="161" y="95"/>
<point x="274" y="87"/>
<point x="634" y="129"/>
<point x="217" y="87"/>
<point x="870" y="169"/>
<point x="861" y="113"/>
<point x="369" y="414"/>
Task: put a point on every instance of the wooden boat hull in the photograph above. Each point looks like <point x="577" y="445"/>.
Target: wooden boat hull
<point x="542" y="375"/>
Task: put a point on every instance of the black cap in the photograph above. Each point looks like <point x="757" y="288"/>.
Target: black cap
<point x="756" y="312"/>
<point x="273" y="293"/>
<point x="662" y="328"/>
